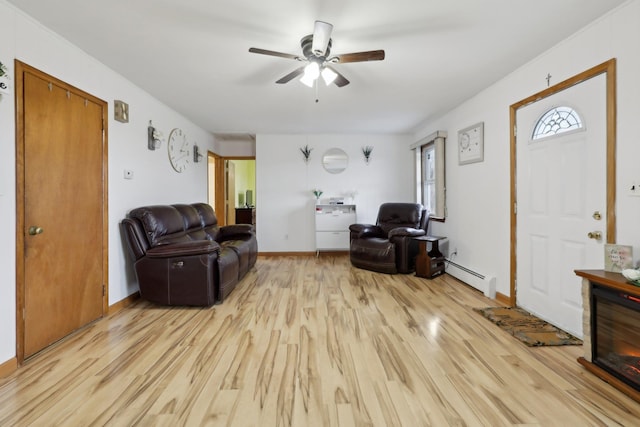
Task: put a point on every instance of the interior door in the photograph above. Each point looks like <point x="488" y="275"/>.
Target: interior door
<point x="63" y="208"/>
<point x="211" y="180"/>
<point x="561" y="185"/>
<point x="230" y="191"/>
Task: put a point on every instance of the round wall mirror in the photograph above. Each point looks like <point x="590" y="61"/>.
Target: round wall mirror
<point x="335" y="160"/>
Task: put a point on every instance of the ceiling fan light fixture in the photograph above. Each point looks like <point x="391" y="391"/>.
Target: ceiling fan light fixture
<point x="321" y="36"/>
<point x="328" y="75"/>
<point x="312" y="71"/>
<point x="308" y="81"/>
<point x="316" y="55"/>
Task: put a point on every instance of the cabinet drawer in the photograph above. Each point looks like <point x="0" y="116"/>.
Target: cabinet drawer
<point x="332" y="240"/>
<point x="331" y="222"/>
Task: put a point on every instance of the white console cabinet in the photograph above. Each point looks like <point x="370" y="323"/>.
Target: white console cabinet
<point x="332" y="226"/>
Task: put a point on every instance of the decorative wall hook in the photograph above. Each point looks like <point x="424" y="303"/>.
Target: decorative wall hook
<point x="367" y="153"/>
<point x="196" y="154"/>
<point x="306" y="152"/>
<point x="154" y="137"/>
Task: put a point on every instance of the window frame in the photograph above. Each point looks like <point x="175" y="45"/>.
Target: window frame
<point x="544" y="121"/>
<point x="434" y="143"/>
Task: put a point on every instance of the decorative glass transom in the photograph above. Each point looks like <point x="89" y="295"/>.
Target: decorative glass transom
<point x="555" y="121"/>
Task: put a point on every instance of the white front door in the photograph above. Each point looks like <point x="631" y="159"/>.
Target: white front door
<point x="561" y="184"/>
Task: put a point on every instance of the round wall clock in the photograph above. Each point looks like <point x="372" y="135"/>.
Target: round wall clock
<point x="178" y="150"/>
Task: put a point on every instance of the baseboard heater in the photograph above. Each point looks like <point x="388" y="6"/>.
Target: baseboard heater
<point x="486" y="284"/>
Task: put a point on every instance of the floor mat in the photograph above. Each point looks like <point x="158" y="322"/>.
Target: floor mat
<point x="527" y="328"/>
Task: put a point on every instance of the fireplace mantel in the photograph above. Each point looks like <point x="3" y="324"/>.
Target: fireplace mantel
<point x="609" y="279"/>
<point x="615" y="281"/>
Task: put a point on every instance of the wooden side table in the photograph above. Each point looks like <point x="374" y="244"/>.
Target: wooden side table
<point x="429" y="263"/>
<point x="246" y="216"/>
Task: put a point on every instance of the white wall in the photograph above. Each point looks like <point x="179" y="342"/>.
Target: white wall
<point x="239" y="148"/>
<point x="478" y="221"/>
<point x="285" y="204"/>
<point x="154" y="180"/>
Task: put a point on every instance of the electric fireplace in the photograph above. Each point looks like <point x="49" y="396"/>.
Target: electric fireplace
<point x="611" y="329"/>
<point x="615" y="333"/>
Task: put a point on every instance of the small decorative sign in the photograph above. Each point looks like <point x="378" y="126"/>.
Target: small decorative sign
<point x="617" y="257"/>
<point x="471" y="144"/>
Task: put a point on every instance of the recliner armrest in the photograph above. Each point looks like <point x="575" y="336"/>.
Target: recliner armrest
<point x="234" y="230"/>
<point x="196" y="247"/>
<point x="367" y="230"/>
<point x="406" y="232"/>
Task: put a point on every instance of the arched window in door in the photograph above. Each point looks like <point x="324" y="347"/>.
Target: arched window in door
<point x="555" y="121"/>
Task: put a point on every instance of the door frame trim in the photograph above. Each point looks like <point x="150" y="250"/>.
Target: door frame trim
<point x="218" y="180"/>
<point x="20" y="69"/>
<point x="609" y="69"/>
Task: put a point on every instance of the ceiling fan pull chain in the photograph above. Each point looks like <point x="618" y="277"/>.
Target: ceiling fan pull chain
<point x="316" y="85"/>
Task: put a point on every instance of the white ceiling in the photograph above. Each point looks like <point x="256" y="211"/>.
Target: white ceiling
<point x="193" y="54"/>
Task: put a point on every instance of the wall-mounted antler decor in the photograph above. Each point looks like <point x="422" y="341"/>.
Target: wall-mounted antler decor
<point x="306" y="152"/>
<point x="367" y="153"/>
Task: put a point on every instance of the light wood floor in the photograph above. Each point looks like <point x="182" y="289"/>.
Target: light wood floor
<point x="311" y="342"/>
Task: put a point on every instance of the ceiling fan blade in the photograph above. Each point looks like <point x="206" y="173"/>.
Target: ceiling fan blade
<point x="321" y="37"/>
<point x="340" y="80"/>
<point x="273" y="53"/>
<point x="371" y="55"/>
<point x="292" y="75"/>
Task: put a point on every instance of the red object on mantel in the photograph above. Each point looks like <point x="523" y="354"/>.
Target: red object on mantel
<point x="612" y="335"/>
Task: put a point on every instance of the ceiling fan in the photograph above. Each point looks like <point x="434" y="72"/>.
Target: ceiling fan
<point x="316" y="50"/>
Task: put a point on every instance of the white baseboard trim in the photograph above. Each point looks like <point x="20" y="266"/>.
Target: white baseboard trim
<point x="485" y="284"/>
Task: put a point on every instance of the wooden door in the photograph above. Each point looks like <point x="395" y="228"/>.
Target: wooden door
<point x="216" y="179"/>
<point x="211" y="180"/>
<point x="230" y="192"/>
<point x="561" y="185"/>
<point x="61" y="209"/>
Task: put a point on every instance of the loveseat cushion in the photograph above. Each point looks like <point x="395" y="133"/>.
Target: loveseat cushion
<point x="193" y="226"/>
<point x="161" y="224"/>
<point x="209" y="220"/>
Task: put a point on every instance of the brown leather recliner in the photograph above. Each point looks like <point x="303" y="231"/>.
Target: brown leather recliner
<point x="183" y="257"/>
<point x="388" y="246"/>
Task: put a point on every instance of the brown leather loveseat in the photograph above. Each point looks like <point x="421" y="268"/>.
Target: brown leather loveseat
<point x="389" y="245"/>
<point x="183" y="257"/>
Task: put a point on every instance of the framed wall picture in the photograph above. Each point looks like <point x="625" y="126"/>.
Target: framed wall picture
<point x="471" y="144"/>
<point x="617" y="257"/>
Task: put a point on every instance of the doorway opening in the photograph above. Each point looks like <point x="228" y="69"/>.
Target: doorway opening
<point x="232" y="188"/>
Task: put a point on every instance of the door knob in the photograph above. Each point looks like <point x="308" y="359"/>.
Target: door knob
<point x="595" y="235"/>
<point x="33" y="230"/>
